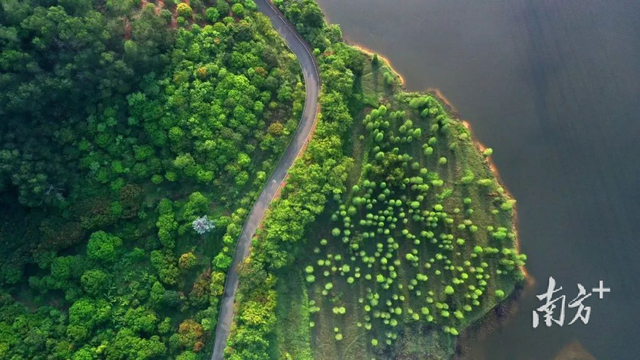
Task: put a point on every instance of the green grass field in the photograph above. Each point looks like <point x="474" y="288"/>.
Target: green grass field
<point x="421" y="246"/>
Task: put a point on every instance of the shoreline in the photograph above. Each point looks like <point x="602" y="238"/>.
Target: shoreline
<point x="529" y="279"/>
<point x="381" y="57"/>
<point x="448" y="105"/>
<point x="487" y="325"/>
<point x="504" y="311"/>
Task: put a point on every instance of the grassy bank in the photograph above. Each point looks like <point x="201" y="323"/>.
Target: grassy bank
<point x="379" y="277"/>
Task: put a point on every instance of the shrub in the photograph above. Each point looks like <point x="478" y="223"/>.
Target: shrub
<point x="212" y="14"/>
<point x="103" y="246"/>
<point x="184" y="10"/>
<point x="94" y="281"/>
<point x="187" y="261"/>
<point x="238" y="10"/>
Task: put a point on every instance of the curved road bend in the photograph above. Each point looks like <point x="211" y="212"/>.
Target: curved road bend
<point x="312" y="85"/>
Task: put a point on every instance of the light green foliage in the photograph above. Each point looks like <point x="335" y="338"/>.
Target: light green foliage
<point x="184" y="10"/>
<point x="212" y="15"/>
<point x="237" y="9"/>
<point x="103" y="246"/>
<point x="222" y="261"/>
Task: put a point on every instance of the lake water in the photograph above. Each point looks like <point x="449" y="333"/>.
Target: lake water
<point x="554" y="88"/>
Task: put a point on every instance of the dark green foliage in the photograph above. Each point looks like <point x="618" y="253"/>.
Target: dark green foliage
<point x="58" y="64"/>
<point x="375" y="61"/>
<point x="94" y="281"/>
<point x="118" y="130"/>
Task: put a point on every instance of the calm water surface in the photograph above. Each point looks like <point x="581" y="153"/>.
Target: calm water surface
<point x="554" y="88"/>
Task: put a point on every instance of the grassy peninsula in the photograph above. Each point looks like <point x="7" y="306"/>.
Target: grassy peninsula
<point x="393" y="234"/>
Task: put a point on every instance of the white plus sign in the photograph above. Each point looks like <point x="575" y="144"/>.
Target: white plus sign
<point x="601" y="289"/>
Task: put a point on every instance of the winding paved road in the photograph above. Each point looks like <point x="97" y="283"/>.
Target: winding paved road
<point x="307" y="122"/>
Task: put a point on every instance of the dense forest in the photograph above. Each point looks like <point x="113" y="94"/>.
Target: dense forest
<point x="392" y="234"/>
<point x="134" y="137"/>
